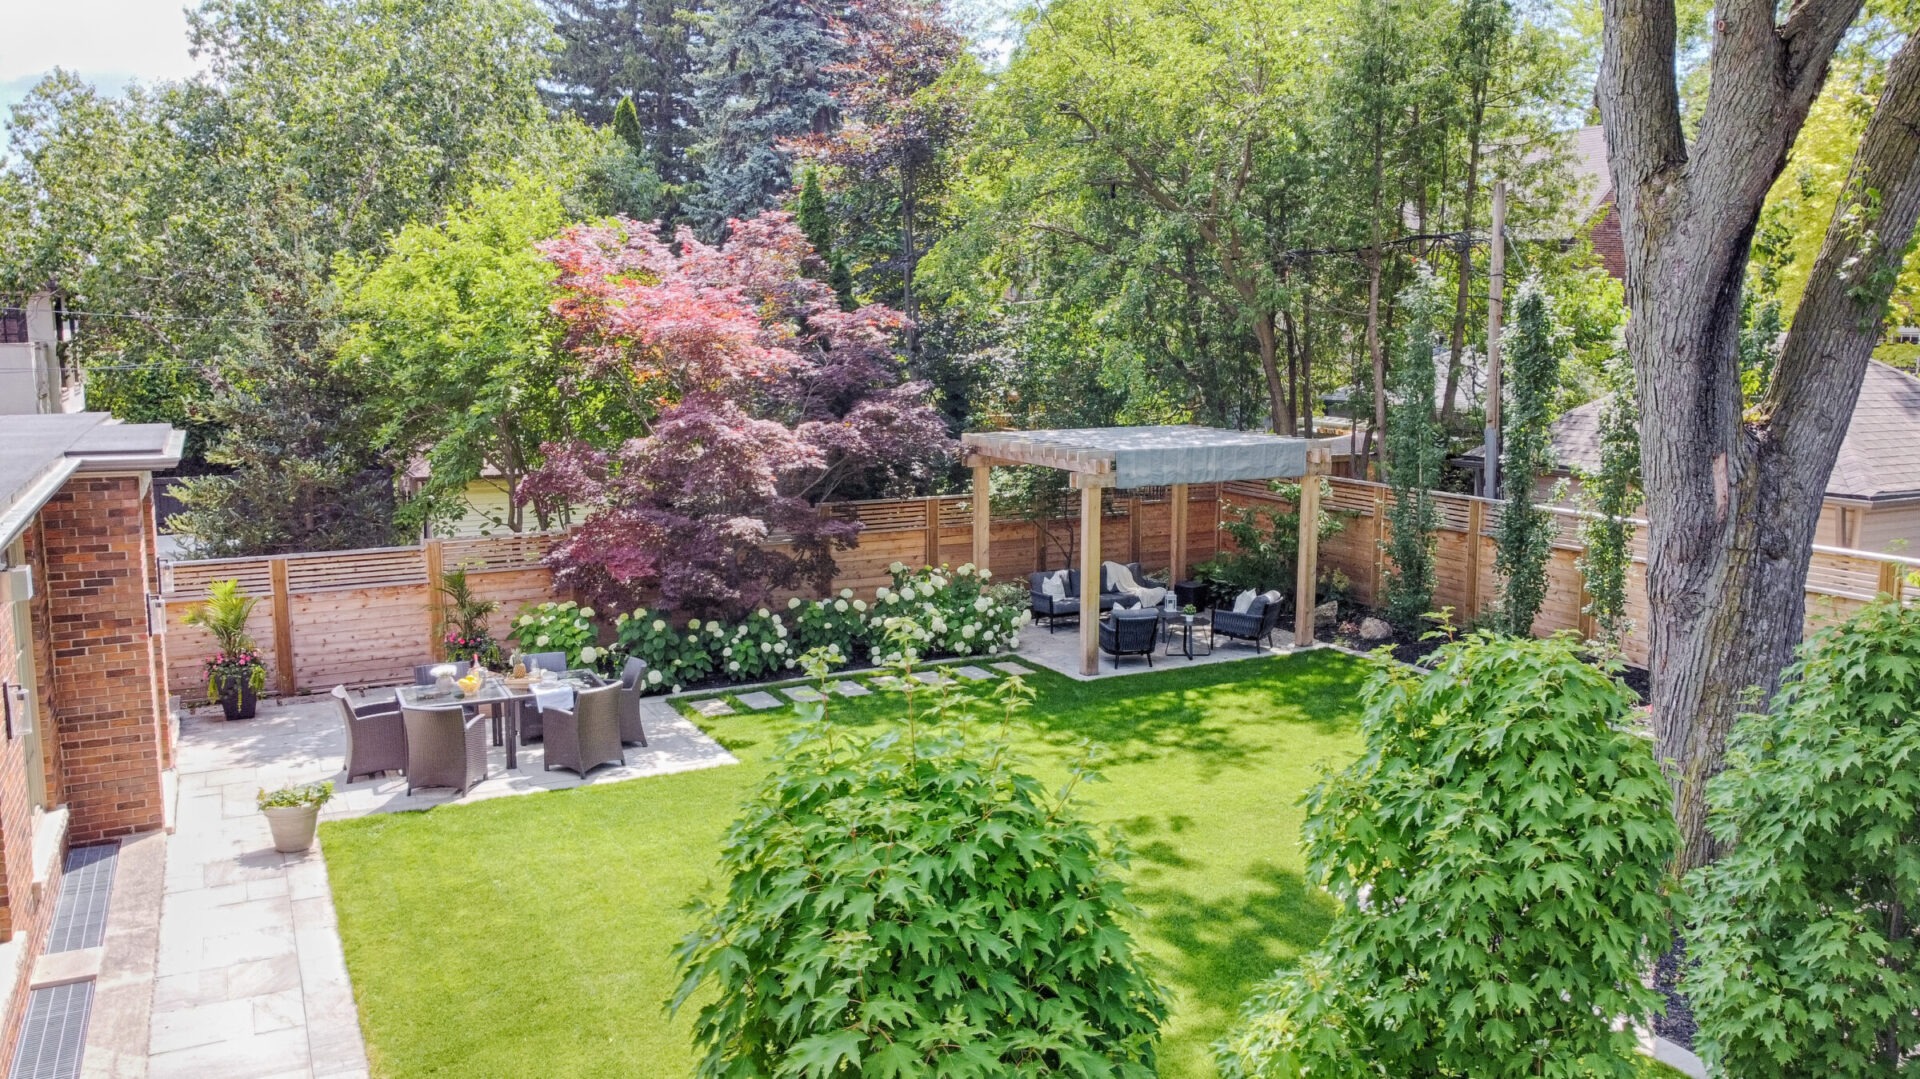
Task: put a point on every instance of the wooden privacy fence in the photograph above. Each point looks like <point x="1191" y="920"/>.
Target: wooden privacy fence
<point x="367" y="617"/>
<point x="362" y="618"/>
<point x="1839" y="582"/>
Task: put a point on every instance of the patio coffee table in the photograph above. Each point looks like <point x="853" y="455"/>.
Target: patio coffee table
<point x="496" y="695"/>
<point x="1185" y="626"/>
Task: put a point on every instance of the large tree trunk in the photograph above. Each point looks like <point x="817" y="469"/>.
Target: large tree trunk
<point x="1457" y="344"/>
<point x="1265" y="334"/>
<point x="1732" y="499"/>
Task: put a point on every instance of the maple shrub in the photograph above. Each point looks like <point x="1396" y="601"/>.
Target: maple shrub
<point x="906" y="901"/>
<point x="766" y="399"/>
<point x="1807" y="955"/>
<point x="1499" y="857"/>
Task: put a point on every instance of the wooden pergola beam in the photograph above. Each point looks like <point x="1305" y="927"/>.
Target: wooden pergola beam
<point x="1090" y="580"/>
<point x="1307" y="574"/>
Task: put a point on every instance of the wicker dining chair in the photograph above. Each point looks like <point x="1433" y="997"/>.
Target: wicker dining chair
<point x="588" y="736"/>
<point x="376" y="736"/>
<point x="547" y="661"/>
<point x="633" y="682"/>
<point x="445" y="748"/>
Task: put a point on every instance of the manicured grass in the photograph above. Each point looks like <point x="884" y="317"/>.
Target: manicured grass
<point x="532" y="935"/>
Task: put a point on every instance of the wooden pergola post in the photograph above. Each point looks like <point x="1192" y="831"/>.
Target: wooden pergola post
<point x="1089" y="578"/>
<point x="1308" y="564"/>
<point x="982" y="515"/>
<point x="1177" y="557"/>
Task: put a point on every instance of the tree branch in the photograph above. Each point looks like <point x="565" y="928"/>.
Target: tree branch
<point x="1839" y="318"/>
<point x="1639" y="99"/>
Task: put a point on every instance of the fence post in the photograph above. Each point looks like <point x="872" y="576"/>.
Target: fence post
<point x="282" y="626"/>
<point x="437" y="618"/>
<point x="1476" y="522"/>
<point x="1891" y="580"/>
<point x="1379" y="544"/>
<point x="930" y="541"/>
<point x="1177" y="540"/>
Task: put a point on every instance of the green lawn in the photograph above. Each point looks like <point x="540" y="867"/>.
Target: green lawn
<point x="532" y="936"/>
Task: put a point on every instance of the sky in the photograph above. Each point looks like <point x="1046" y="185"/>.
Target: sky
<point x="106" y="42"/>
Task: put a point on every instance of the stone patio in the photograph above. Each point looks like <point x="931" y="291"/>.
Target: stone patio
<point x="250" y="980"/>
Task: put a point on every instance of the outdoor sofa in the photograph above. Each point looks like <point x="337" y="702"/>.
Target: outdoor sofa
<point x="1049" y="608"/>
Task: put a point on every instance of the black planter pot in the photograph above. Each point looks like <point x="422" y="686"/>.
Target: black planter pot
<point x="237" y="698"/>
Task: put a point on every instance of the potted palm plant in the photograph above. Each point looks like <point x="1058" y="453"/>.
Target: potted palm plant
<point x="235" y="672"/>
<point x="467" y="636"/>
<point x="293" y="813"/>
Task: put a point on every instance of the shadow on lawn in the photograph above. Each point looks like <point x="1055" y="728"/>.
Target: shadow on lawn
<point x="1223" y="948"/>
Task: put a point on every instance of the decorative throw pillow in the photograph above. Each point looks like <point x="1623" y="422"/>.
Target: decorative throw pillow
<point x="1054" y="585"/>
<point x="1242" y="601"/>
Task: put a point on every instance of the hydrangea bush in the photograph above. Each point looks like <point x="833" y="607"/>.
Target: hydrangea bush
<point x="945" y="611"/>
<point x="675" y="657"/>
<point x="564" y="626"/>
<point x="758" y="648"/>
<point x="838" y="625"/>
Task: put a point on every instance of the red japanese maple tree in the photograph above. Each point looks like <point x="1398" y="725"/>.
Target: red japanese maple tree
<point x="766" y="399"/>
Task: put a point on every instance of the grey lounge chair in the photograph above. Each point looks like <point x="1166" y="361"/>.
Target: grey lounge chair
<point x="1129" y="633"/>
<point x="588" y="736"/>
<point x="633" y="682"/>
<point x="445" y="748"/>
<point x="376" y="736"/>
<point x="1261" y="618"/>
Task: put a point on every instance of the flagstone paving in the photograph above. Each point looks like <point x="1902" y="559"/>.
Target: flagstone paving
<point x="761" y="700"/>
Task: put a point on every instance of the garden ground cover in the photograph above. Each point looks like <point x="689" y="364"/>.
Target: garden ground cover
<point x="533" y="935"/>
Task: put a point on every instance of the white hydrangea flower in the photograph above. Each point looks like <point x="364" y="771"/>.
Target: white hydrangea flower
<point x="734" y="665"/>
<point x="981" y="604"/>
<point x="693" y="623"/>
<point x="907" y="592"/>
<point x="897" y="567"/>
<point x="840" y="605"/>
<point x="793" y="603"/>
<point x="766" y="646"/>
<point x="881" y="592"/>
<point x="860" y="605"/>
<point x="968" y="631"/>
<point x="939" y="581"/>
<point x="540" y="640"/>
<point x="659" y="625"/>
<point x="589" y="654"/>
<point x="986" y="575"/>
<point x="568" y="604"/>
<point x="846" y="593"/>
<point x="525" y="619"/>
<point x="586" y="612"/>
<point x="762" y="612"/>
<point x="893" y="599"/>
<point x="653" y="678"/>
<point x="676" y="687"/>
<point x="620" y="619"/>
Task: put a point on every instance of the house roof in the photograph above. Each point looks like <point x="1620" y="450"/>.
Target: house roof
<point x="39" y="452"/>
<point x="1879" y="459"/>
<point x="1146" y="456"/>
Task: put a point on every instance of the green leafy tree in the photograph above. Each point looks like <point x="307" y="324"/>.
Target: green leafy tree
<point x="1415" y="450"/>
<point x="952" y="916"/>
<point x="1499" y="853"/>
<point x="1524" y="541"/>
<point x="464" y="362"/>
<point x="1807" y="952"/>
<point x="1612" y="495"/>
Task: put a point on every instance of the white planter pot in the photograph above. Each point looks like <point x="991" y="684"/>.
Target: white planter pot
<point x="293" y="827"/>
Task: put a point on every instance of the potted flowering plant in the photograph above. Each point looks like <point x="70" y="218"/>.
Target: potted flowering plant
<point x="293" y="814"/>
<point x="235" y="672"/>
<point x="466" y="615"/>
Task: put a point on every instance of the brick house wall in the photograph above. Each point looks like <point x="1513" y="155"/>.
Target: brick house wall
<point x="1606" y="239"/>
<point x="108" y="705"/>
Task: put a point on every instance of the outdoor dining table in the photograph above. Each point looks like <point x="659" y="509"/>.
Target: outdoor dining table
<point x="497" y="695"/>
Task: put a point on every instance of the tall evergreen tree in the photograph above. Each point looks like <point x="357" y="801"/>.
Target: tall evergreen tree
<point x="1524" y="542"/>
<point x="638" y="50"/>
<point x="626" y="124"/>
<point x="1415" y="451"/>
<point x="766" y="73"/>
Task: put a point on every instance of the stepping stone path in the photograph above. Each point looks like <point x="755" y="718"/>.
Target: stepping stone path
<point x="888" y="681"/>
<point x="714" y="707"/>
<point x="931" y="678"/>
<point x="850" y="689"/>
<point x="974" y="674"/>
<point x="1011" y="667"/>
<point x="760" y="700"/>
<point x="805" y="693"/>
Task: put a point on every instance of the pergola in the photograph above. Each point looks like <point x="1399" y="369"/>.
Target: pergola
<point x="1128" y="457"/>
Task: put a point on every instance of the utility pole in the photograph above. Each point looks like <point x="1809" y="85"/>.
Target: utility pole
<point x="1496" y="289"/>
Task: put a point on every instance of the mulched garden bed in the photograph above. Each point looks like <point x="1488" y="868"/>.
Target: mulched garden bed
<point x="1410" y="647"/>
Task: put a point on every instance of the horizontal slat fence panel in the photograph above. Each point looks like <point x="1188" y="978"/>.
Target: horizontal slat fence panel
<point x="366" y="617"/>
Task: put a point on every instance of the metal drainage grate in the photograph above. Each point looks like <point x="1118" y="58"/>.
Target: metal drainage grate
<point x="80" y="916"/>
<point x="55" y="1032"/>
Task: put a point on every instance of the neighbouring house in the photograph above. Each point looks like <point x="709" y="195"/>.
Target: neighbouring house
<point x="38" y="370"/>
<point x="1873" y="495"/>
<point x="1594" y="203"/>
<point x="86" y="735"/>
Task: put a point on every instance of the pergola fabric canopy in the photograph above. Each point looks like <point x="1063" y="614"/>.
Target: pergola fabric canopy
<point x="1147" y="456"/>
